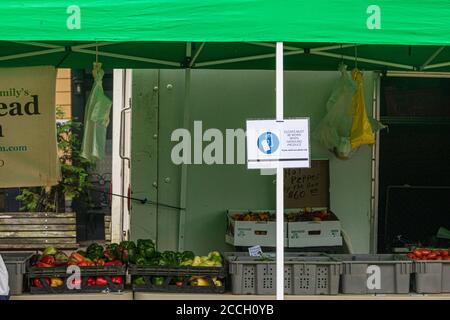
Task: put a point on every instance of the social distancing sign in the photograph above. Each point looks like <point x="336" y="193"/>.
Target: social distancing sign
<point x="28" y="148"/>
<point x="272" y="144"/>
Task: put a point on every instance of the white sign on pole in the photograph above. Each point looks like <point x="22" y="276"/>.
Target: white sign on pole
<point x="273" y="144"/>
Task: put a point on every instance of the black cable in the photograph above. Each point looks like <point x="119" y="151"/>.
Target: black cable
<point x="142" y="201"/>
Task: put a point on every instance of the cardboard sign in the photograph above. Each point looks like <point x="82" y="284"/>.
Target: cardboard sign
<point x="28" y="150"/>
<point x="272" y="144"/>
<point x="307" y="187"/>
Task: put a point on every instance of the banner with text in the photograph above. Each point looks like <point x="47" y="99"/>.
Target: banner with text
<point x="28" y="149"/>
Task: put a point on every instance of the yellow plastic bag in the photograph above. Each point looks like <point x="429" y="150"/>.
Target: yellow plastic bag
<point x="361" y="132"/>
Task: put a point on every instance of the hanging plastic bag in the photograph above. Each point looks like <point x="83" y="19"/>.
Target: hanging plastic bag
<point x="334" y="130"/>
<point x="4" y="287"/>
<point x="346" y="126"/>
<point x="361" y="132"/>
<point x="96" y="121"/>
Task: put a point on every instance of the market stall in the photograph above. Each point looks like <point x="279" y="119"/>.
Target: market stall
<point x="230" y="35"/>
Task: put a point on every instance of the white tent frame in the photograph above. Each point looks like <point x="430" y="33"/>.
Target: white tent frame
<point x="93" y="49"/>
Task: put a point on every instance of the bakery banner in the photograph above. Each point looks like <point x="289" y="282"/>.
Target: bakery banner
<point x="28" y="149"/>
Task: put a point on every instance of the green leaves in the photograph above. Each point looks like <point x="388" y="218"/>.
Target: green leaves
<point x="74" y="171"/>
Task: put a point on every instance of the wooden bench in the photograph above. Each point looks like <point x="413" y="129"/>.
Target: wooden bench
<point x="37" y="230"/>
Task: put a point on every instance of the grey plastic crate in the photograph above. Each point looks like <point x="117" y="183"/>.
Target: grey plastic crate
<point x="431" y="276"/>
<point x="303" y="274"/>
<point x="395" y="272"/>
<point x="16" y="264"/>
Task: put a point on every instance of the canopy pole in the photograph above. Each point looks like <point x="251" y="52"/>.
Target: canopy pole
<point x="280" y="175"/>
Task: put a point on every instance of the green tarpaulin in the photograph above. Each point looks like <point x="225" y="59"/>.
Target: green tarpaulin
<point x="392" y="34"/>
<point x="349" y="21"/>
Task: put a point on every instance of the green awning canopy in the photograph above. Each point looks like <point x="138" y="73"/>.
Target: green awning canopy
<point x="232" y="34"/>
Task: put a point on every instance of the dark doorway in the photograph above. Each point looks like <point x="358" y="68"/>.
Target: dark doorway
<point x="414" y="171"/>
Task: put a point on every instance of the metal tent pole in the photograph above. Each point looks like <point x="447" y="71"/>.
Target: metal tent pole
<point x="280" y="176"/>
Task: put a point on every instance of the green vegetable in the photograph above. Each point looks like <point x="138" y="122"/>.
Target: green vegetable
<point x="146" y="248"/>
<point x="139" y="281"/>
<point x="139" y="260"/>
<point x="158" y="281"/>
<point x="187" y="255"/>
<point x="94" y="251"/>
<point x="126" y="250"/>
<point x="169" y="258"/>
<point x="49" y="251"/>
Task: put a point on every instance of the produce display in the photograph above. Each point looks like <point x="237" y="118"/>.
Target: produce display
<point x="98" y="264"/>
<point x="254" y="216"/>
<point x="429" y="254"/>
<point x="174" y="271"/>
<point x="307" y="214"/>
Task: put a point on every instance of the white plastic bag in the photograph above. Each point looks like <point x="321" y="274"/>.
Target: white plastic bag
<point x="4" y="278"/>
<point x="334" y="130"/>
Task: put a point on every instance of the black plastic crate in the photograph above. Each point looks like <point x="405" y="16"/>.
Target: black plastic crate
<point x="86" y="272"/>
<point x="171" y="274"/>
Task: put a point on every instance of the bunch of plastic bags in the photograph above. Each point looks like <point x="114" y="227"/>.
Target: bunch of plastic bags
<point x="346" y="125"/>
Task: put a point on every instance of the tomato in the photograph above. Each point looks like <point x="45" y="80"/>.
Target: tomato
<point x="431" y="256"/>
<point x="444" y="253"/>
<point x="425" y="252"/>
<point x="436" y="252"/>
<point x="411" y="255"/>
<point x="438" y="258"/>
<point x="179" y="283"/>
<point x="418" y="253"/>
<point x="446" y="258"/>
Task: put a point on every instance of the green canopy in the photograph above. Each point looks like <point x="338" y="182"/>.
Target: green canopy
<point x="232" y="34"/>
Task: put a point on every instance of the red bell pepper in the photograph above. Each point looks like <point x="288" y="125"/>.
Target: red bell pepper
<point x="43" y="265"/>
<point x="101" y="281"/>
<point x="117" y="280"/>
<point x="91" y="281"/>
<point x="48" y="260"/>
<point x="99" y="262"/>
<point x="113" y="263"/>
<point x="38" y="283"/>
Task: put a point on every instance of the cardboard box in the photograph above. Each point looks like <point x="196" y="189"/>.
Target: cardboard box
<point x="252" y="233"/>
<point x="314" y="233"/>
<point x="310" y="188"/>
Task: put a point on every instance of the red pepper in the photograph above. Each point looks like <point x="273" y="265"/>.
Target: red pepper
<point x="113" y="263"/>
<point x="99" y="262"/>
<point x="43" y="265"/>
<point x="75" y="282"/>
<point x="48" y="260"/>
<point x="101" y="281"/>
<point x="117" y="280"/>
<point x="91" y="281"/>
<point x="38" y="283"/>
<point x="179" y="283"/>
<point x="77" y="257"/>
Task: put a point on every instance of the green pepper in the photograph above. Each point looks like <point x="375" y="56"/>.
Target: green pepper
<point x="158" y="281"/>
<point x="94" y="251"/>
<point x="169" y="258"/>
<point x="187" y="255"/>
<point x="146" y="248"/>
<point x="139" y="260"/>
<point x="139" y="281"/>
